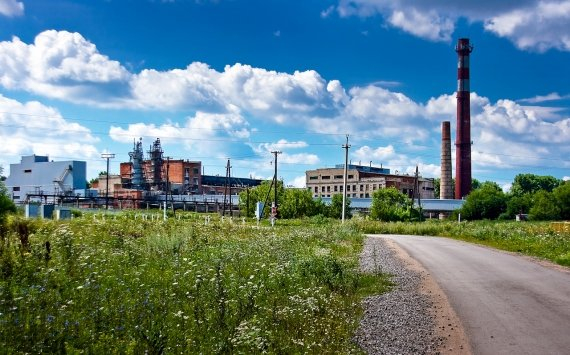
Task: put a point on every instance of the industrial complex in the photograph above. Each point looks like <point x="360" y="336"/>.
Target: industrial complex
<point x="153" y="179"/>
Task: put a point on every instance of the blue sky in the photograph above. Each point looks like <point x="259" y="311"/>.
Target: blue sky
<point x="238" y="79"/>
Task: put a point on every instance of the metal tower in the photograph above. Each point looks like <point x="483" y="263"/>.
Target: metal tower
<point x="136" y="156"/>
<point x="156" y="162"/>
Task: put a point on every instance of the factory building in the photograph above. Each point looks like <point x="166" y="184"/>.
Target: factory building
<point x="362" y="181"/>
<point x="36" y="176"/>
<point x="158" y="174"/>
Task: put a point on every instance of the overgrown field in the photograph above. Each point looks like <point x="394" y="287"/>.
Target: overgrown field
<point x="132" y="286"/>
<point x="537" y="239"/>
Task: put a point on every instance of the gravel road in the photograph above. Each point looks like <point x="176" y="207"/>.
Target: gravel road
<point x="400" y="321"/>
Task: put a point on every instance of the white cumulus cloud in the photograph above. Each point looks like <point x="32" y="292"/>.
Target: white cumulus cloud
<point x="536" y="25"/>
<point x="11" y="8"/>
<point x="61" y="65"/>
<point x="33" y="128"/>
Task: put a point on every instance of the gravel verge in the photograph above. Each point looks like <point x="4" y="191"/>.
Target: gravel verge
<point x="402" y="320"/>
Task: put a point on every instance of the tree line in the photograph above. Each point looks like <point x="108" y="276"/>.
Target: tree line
<point x="541" y="198"/>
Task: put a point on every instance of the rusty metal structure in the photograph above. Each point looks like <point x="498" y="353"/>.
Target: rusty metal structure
<point x="154" y="173"/>
<point x="463" y="134"/>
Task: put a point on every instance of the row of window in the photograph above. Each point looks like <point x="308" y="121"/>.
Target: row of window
<point x="366" y="195"/>
<point x="328" y="177"/>
<point x="339" y="188"/>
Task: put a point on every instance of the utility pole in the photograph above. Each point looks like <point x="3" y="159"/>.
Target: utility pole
<point x="107" y="156"/>
<point x="226" y="184"/>
<point x="169" y="187"/>
<point x="345" y="147"/>
<point x="417" y="192"/>
<point x="275" y="175"/>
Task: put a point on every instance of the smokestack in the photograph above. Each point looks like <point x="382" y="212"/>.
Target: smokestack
<point x="463" y="136"/>
<point x="445" y="187"/>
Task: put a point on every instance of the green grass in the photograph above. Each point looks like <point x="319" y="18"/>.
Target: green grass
<point x="120" y="285"/>
<point x="536" y="239"/>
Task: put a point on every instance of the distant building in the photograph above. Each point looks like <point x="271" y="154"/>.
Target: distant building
<point x="363" y="181"/>
<point x="184" y="176"/>
<point x="36" y="176"/>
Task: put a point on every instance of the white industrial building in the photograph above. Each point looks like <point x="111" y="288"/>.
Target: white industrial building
<point x="36" y="176"/>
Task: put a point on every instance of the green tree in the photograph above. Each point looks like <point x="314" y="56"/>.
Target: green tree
<point x="486" y="202"/>
<point x="545" y="207"/>
<point x="390" y="205"/>
<point x="259" y="194"/>
<point x="562" y="196"/>
<point x="518" y="204"/>
<point x="297" y="203"/>
<point x="6" y="203"/>
<point x="531" y="183"/>
<point x="335" y="208"/>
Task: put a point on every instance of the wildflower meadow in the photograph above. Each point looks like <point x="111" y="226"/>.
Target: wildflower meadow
<point x="118" y="284"/>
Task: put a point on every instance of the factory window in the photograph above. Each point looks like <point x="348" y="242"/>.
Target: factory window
<point x="347" y="188"/>
<point x="313" y="177"/>
<point x="361" y="187"/>
<point x="195" y="181"/>
<point x="367" y="195"/>
<point x="338" y="176"/>
<point x="341" y="189"/>
<point x="16" y="188"/>
<point x="316" y="189"/>
<point x="335" y="188"/>
<point x="326" y="177"/>
<point x="322" y="189"/>
<point x="351" y="176"/>
<point x="196" y="171"/>
<point x="374" y="187"/>
<point x="328" y="189"/>
<point x="16" y="197"/>
<point x="28" y="170"/>
<point x="354" y="195"/>
<point x="361" y="195"/>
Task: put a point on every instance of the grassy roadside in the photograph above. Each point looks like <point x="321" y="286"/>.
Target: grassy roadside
<point x="140" y="286"/>
<point x="536" y="239"/>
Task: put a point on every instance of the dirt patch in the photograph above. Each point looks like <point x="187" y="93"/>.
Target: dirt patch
<point x="448" y="325"/>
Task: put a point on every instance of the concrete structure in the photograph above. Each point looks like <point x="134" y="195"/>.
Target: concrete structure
<point x="463" y="136"/>
<point x="363" y="181"/>
<point x="445" y="184"/>
<point x="36" y="176"/>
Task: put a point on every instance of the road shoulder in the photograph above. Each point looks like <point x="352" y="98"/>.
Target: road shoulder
<point x="448" y="325"/>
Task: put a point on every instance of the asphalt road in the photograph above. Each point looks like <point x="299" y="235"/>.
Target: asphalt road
<point x="507" y="304"/>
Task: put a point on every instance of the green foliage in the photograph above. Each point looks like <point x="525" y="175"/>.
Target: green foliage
<point x="487" y="202"/>
<point x="293" y="203"/>
<point x="297" y="203"/>
<point x="545" y="207"/>
<point x="390" y="205"/>
<point x="562" y="196"/>
<point x="259" y="194"/>
<point x="537" y="239"/>
<point x="119" y="285"/>
<point x="335" y="208"/>
<point x="6" y="203"/>
<point x="519" y="204"/>
<point x="531" y="183"/>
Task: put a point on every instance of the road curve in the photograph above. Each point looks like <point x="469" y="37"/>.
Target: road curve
<point x="508" y="304"/>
